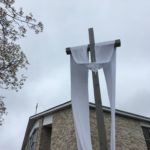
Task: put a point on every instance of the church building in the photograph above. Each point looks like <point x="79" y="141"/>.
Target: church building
<point x="53" y="129"/>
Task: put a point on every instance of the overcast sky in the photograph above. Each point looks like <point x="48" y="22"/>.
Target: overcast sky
<point x="66" y="23"/>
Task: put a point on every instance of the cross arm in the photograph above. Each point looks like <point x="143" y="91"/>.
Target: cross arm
<point x="117" y="44"/>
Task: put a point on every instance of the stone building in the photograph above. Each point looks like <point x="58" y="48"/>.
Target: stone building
<point x="53" y="129"/>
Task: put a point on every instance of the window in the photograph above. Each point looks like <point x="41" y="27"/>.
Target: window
<point x="33" y="140"/>
<point x="146" y="132"/>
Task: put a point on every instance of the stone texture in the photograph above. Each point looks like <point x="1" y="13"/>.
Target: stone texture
<point x="63" y="135"/>
<point x="129" y="135"/>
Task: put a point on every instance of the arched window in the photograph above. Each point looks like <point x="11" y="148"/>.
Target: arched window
<point x="33" y="140"/>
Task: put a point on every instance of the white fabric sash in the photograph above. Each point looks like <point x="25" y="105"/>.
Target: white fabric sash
<point x="106" y="59"/>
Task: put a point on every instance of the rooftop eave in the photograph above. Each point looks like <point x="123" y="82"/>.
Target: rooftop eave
<point x="92" y="105"/>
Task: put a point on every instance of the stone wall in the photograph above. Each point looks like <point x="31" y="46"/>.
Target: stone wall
<point x="63" y="135"/>
<point x="129" y="135"/>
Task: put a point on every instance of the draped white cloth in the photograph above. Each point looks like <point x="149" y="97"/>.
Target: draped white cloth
<point x="106" y="59"/>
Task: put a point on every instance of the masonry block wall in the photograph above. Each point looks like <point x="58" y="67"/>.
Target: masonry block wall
<point x="129" y="135"/>
<point x="63" y="134"/>
<point x="60" y="135"/>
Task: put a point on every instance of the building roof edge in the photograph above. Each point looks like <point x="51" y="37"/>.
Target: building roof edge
<point x="92" y="105"/>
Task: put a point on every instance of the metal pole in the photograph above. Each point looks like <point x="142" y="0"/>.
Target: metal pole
<point x="97" y="95"/>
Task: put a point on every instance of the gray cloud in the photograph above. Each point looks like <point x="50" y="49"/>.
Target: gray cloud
<point x="66" y="24"/>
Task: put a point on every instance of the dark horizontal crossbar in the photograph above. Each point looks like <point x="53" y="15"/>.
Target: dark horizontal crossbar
<point x="117" y="44"/>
